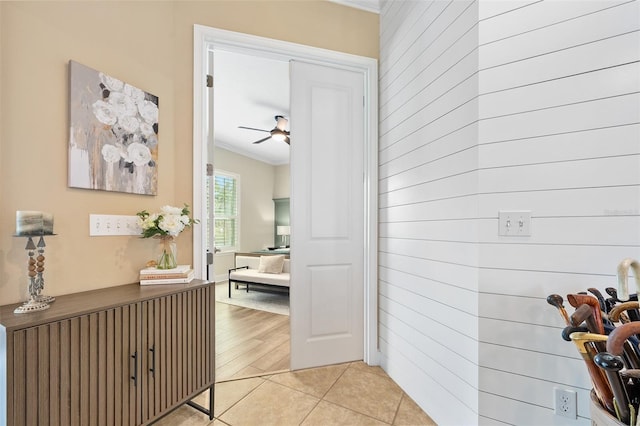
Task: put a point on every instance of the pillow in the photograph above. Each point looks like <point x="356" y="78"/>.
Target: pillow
<point x="271" y="264"/>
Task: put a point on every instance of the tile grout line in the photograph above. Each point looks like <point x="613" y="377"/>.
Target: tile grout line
<point x="302" y="391"/>
<point x="321" y="399"/>
<point x="236" y="403"/>
<point x="351" y="409"/>
<point x="310" y="411"/>
<point x="336" y="381"/>
<point x="395" y="416"/>
<point x="347" y="408"/>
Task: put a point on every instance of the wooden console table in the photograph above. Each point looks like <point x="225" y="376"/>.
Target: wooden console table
<point x="123" y="355"/>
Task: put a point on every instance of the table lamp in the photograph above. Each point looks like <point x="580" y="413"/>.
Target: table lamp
<point x="284" y="232"/>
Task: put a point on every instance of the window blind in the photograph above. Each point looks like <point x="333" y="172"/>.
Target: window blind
<point x="225" y="211"/>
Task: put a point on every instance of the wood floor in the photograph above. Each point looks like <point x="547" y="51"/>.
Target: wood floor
<point x="250" y="342"/>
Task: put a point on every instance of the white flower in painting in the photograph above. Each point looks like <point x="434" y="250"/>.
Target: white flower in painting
<point x="110" y="153"/>
<point x="148" y="111"/>
<point x="104" y="112"/>
<point x="134" y="138"/>
<point x="134" y="93"/>
<point x="152" y="141"/>
<point x="138" y="154"/>
<point x="129" y="124"/>
<point x="113" y="84"/>
<point x="146" y="129"/>
<point x="123" y="105"/>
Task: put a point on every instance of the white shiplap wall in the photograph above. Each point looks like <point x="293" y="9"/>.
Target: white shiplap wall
<point x="429" y="204"/>
<point x="502" y="105"/>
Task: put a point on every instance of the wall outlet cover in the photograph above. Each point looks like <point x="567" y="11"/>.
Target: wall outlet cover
<point x="565" y="403"/>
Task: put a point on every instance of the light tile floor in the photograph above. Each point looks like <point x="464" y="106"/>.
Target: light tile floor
<point x="344" y="394"/>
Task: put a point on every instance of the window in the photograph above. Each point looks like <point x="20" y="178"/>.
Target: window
<point x="226" y="211"/>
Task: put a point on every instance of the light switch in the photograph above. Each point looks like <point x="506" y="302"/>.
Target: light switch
<point x="111" y="225"/>
<point x="514" y="223"/>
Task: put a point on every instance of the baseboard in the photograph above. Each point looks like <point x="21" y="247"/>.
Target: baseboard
<point x="222" y="278"/>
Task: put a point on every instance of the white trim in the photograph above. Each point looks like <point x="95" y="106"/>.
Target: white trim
<point x="368" y="5"/>
<point x="206" y="38"/>
<point x="222" y="278"/>
<point x="199" y="153"/>
<point x="236" y="177"/>
<point x="371" y="220"/>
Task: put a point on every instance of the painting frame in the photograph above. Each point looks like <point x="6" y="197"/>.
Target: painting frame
<point x="113" y="134"/>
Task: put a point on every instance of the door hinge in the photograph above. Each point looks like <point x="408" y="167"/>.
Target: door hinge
<point x="209" y="169"/>
<point x="209" y="80"/>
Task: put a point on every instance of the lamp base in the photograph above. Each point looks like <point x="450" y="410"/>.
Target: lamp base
<point x="31" y="306"/>
<point x="45" y="299"/>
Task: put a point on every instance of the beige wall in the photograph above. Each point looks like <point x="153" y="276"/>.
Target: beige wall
<point x="282" y="185"/>
<point x="149" y="45"/>
<point x="258" y="182"/>
<point x="256" y="197"/>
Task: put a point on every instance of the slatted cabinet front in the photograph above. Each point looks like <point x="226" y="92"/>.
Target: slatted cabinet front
<point x="179" y="349"/>
<point x="123" y="366"/>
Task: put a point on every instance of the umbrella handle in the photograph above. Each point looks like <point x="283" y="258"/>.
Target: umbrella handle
<point x="620" y="334"/>
<point x="623" y="277"/>
<point x="612" y="365"/>
<point x="579" y="299"/>
<point x="614" y="314"/>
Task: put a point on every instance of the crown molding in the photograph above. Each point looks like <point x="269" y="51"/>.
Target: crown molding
<point x="368" y="5"/>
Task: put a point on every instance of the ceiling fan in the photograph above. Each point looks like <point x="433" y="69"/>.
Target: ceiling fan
<point x="278" y="133"/>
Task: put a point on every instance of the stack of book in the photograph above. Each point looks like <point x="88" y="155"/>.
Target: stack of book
<point x="181" y="275"/>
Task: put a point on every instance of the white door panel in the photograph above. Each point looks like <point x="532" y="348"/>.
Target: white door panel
<point x="327" y="215"/>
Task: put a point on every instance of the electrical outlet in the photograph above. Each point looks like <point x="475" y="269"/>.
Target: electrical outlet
<point x="565" y="403"/>
<point x="111" y="225"/>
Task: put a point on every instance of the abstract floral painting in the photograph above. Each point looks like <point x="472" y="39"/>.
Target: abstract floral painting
<point x="113" y="139"/>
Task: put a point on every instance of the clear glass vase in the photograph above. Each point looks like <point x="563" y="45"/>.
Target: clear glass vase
<point x="168" y="257"/>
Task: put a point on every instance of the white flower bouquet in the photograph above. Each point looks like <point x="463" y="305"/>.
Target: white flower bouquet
<point x="170" y="221"/>
<point x="166" y="225"/>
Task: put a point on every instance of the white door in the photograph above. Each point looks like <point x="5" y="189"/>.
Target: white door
<point x="327" y="215"/>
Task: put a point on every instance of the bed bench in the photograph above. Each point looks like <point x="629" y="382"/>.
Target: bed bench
<point x="248" y="271"/>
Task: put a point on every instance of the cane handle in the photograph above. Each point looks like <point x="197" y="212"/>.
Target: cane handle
<point x="620" y="334"/>
<point x="614" y="314"/>
<point x="623" y="277"/>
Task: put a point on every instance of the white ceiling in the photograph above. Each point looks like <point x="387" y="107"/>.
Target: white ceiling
<point x="250" y="91"/>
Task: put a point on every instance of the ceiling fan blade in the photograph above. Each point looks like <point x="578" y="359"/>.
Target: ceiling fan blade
<point x="262" y="140"/>
<point x="253" y="128"/>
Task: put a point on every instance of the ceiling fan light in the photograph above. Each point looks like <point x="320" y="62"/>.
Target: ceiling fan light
<point x="281" y="122"/>
<point x="278" y="135"/>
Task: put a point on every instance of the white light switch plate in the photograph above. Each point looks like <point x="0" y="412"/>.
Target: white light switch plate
<point x="110" y="225"/>
<point x="514" y="223"/>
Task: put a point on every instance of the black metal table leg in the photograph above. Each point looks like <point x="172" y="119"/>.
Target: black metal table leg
<point x="208" y="412"/>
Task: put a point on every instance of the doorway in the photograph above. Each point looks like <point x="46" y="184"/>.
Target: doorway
<point x="251" y="207"/>
<point x="207" y="39"/>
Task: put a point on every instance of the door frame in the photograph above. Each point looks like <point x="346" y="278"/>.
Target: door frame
<point x="206" y="39"/>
